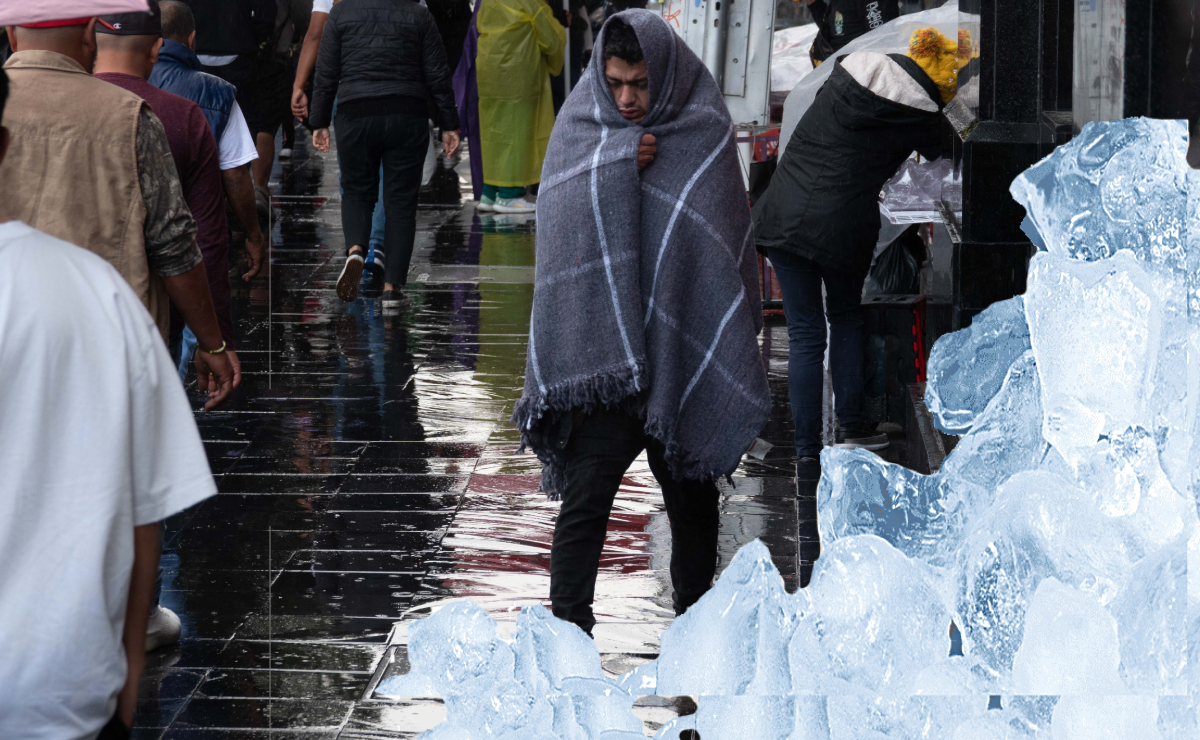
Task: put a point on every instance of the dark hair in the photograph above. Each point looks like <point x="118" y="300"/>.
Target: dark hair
<point x="178" y="23"/>
<point x="3" y="93"/>
<point x="621" y="42"/>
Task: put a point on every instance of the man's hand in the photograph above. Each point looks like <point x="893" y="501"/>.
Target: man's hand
<point x="321" y="139"/>
<point x="450" y="141"/>
<point x="214" y="375"/>
<point x="299" y="103"/>
<point x="255" y="255"/>
<point x="646" y="151"/>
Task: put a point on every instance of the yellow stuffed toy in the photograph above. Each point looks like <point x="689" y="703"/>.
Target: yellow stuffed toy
<point x="940" y="58"/>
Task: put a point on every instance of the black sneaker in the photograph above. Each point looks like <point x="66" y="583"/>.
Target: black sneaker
<point x="861" y="438"/>
<point x="808" y="469"/>
<point x="393" y="301"/>
<point x="347" y="282"/>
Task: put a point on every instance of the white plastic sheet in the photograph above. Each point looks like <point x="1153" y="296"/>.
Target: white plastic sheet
<point x="789" y="56"/>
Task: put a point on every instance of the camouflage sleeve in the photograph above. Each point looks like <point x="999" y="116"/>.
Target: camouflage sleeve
<point x="170" y="230"/>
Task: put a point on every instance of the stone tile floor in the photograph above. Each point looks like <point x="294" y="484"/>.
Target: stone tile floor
<point x="368" y="474"/>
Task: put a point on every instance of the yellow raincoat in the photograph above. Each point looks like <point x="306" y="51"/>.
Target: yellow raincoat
<point x="520" y="46"/>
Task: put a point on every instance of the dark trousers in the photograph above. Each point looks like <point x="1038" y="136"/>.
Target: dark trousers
<point x="601" y="448"/>
<point x="399" y="142"/>
<point x="114" y="730"/>
<point x="800" y="280"/>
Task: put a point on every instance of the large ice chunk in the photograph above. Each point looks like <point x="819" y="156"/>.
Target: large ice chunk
<point x="744" y="623"/>
<point x="1117" y="185"/>
<point x="1151" y="615"/>
<point x="860" y="493"/>
<point x="1094" y="328"/>
<point x="1005" y="439"/>
<point x="1069" y="646"/>
<point x="1041" y="526"/>
<point x="967" y="367"/>
<point x="878" y="621"/>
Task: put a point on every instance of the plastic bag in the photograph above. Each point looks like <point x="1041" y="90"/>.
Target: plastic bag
<point x="897" y="270"/>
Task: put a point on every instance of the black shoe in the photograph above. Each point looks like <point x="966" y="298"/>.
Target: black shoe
<point x="347" y="282"/>
<point x="808" y="469"/>
<point x="393" y="301"/>
<point x="861" y="438"/>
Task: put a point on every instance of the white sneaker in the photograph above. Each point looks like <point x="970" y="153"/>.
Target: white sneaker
<point x="514" y="205"/>
<point x="163" y="629"/>
<point x="486" y="205"/>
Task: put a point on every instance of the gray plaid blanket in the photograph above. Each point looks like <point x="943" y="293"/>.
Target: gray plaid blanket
<point x="646" y="290"/>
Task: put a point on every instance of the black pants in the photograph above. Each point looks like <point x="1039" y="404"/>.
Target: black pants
<point x="398" y="141"/>
<point x="240" y="74"/>
<point x="601" y="448"/>
<point x="114" y="730"/>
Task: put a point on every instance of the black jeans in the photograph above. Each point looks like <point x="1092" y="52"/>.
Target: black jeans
<point x="398" y="141"/>
<point x="800" y="280"/>
<point x="601" y="448"/>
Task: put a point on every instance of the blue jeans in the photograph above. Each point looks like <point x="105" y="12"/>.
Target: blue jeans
<point x="800" y="280"/>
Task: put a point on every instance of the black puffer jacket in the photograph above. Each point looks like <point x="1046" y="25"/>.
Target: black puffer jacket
<point x="823" y="201"/>
<point x="382" y="49"/>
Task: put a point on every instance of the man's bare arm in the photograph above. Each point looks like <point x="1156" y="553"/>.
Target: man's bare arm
<point x="214" y="372"/>
<point x="239" y="189"/>
<point x="146" y="541"/>
<point x="306" y="62"/>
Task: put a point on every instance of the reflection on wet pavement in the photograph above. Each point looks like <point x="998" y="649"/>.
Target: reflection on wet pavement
<point x="368" y="474"/>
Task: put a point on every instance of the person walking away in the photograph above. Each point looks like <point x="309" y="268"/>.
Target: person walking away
<point x="89" y="163"/>
<point x="273" y="86"/>
<point x="646" y="311"/>
<point x="385" y="64"/>
<point x="86" y="377"/>
<point x="841" y="21"/>
<point x="178" y="70"/>
<point x="306" y="63"/>
<point x="127" y="46"/>
<point x="229" y="36"/>
<point x="818" y="222"/>
<point x="520" y="47"/>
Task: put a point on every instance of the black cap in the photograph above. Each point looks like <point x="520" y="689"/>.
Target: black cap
<point x="132" y="24"/>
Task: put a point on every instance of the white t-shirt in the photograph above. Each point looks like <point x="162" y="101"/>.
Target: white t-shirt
<point x="236" y="146"/>
<point x="322" y="6"/>
<point x="98" y="437"/>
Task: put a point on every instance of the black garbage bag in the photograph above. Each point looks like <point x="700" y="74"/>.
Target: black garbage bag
<point x="897" y="269"/>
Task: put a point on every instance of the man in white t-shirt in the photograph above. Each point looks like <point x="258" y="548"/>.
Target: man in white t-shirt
<point x="86" y="375"/>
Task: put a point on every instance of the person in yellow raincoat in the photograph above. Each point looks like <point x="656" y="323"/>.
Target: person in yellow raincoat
<point x="520" y="46"/>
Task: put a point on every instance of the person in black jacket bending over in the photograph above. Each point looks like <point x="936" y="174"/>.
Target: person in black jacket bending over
<point x="386" y="63"/>
<point x="819" y="220"/>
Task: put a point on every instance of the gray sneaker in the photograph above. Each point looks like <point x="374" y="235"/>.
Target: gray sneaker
<point x="861" y="438"/>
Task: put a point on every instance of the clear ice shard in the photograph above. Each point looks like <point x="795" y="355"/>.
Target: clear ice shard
<point x="925" y="517"/>
<point x="877" y="620"/>
<point x="744" y="622"/>
<point x="966" y="367"/>
<point x="1069" y="646"/>
<point x="1094" y="328"/>
<point x="1117" y="185"/>
<point x="1061" y="536"/>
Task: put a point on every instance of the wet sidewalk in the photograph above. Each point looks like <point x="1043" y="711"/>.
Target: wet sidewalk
<point x="368" y="474"/>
